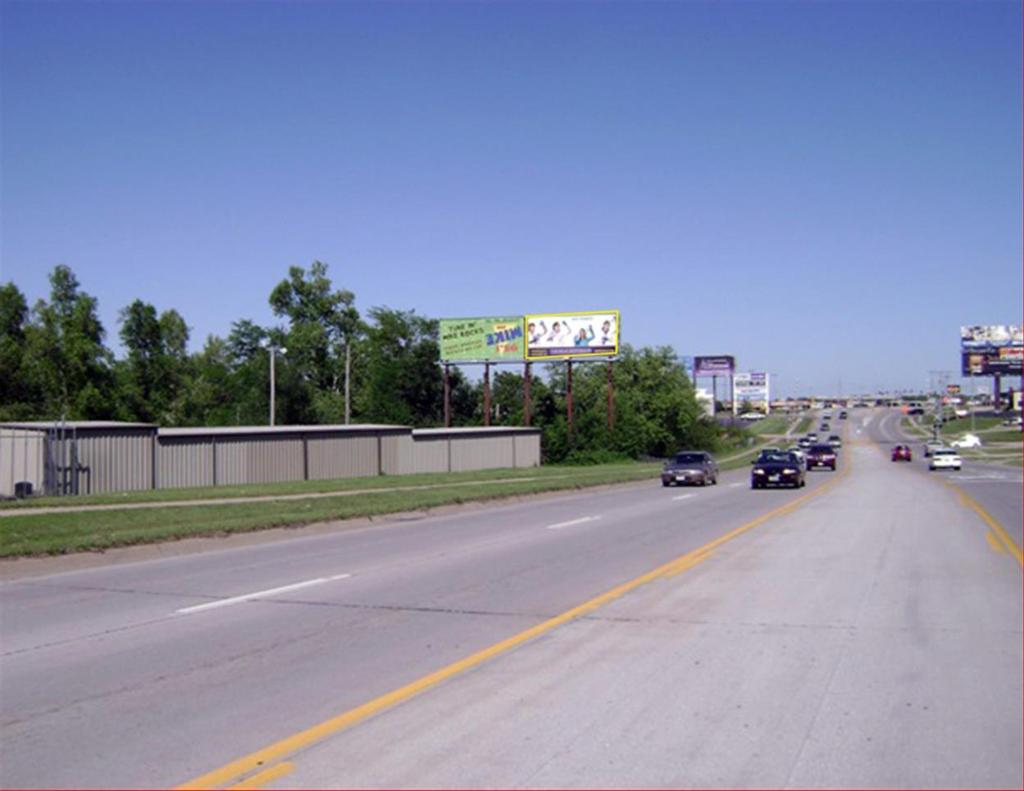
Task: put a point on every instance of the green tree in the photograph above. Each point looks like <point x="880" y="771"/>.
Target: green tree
<point x="402" y="382"/>
<point x="17" y="396"/>
<point x="323" y="328"/>
<point x="65" y="359"/>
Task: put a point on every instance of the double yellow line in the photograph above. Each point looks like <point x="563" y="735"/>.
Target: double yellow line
<point x="268" y="764"/>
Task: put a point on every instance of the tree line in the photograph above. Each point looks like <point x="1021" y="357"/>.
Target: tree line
<point x="54" y="362"/>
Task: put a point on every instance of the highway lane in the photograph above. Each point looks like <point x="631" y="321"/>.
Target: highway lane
<point x="147" y="674"/>
<point x="785" y="656"/>
<point x="870" y="638"/>
<point x="995" y="487"/>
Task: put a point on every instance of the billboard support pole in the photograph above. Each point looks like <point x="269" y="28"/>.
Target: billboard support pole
<point x="487" y="394"/>
<point x="997" y="386"/>
<point x="526" y="394"/>
<point x="447" y="399"/>
<point x="611" y="396"/>
<point x="568" y="394"/>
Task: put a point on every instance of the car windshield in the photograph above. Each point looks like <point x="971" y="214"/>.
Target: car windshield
<point x="689" y="458"/>
<point x="945" y="453"/>
<point x="821" y="449"/>
<point x="778" y="457"/>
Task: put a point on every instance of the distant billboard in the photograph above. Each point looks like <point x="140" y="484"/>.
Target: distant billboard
<point x="572" y="335"/>
<point x="751" y="386"/>
<point x="718" y="365"/>
<point x="991" y="349"/>
<point x="489" y="339"/>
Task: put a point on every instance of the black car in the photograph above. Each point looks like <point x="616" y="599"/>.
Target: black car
<point x="821" y="456"/>
<point x="777" y="469"/>
<point x="695" y="466"/>
<point x="842" y="415"/>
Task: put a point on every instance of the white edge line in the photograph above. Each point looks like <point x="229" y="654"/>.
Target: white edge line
<point x="572" y="522"/>
<point x="734" y="485"/>
<point x="683" y="496"/>
<point x="258" y="594"/>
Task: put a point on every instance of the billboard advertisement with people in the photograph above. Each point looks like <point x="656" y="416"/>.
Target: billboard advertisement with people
<point x="991" y="349"/>
<point x="572" y="335"/>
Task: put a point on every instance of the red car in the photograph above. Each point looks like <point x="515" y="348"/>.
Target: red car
<point x="821" y="456"/>
<point x="902" y="453"/>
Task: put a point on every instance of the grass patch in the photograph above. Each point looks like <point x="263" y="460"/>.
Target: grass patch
<point x="302" y="487"/>
<point x="62" y="533"/>
<point x="962" y="425"/>
<point x="803" y="426"/>
<point x="1007" y="435"/>
<point x="775" y="424"/>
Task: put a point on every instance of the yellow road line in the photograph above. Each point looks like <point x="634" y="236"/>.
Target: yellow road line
<point x="290" y="745"/>
<point x="686" y="562"/>
<point x="260" y="779"/>
<point x="994" y="543"/>
<point x="990" y="520"/>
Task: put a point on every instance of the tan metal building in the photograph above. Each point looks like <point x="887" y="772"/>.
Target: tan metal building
<point x="475" y="448"/>
<point x="267" y="454"/>
<point x="84" y="456"/>
<point x="92" y="457"/>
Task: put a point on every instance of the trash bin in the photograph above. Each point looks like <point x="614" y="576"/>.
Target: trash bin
<point x="23" y="489"/>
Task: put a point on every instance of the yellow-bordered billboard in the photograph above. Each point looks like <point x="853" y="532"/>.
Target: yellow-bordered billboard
<point x="566" y="336"/>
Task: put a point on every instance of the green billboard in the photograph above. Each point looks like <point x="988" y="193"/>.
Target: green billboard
<point x="490" y="339"/>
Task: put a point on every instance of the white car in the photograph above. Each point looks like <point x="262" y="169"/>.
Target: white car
<point x="966" y="441"/>
<point x="944" y="459"/>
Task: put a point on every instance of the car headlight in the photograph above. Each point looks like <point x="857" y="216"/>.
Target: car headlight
<point x="758" y="472"/>
<point x="788" y="471"/>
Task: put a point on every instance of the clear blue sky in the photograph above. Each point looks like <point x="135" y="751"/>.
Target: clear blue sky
<point x="823" y="189"/>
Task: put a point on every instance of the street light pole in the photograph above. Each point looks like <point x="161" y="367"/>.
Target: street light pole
<point x="273" y="386"/>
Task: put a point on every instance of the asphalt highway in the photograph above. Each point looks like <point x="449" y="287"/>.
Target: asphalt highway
<point x="864" y="631"/>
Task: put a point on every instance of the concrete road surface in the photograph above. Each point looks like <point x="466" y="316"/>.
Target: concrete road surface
<point x="861" y="632"/>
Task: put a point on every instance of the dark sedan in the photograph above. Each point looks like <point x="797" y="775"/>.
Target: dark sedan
<point x="821" y="456"/>
<point x="777" y="469"/>
<point x="694" y="467"/>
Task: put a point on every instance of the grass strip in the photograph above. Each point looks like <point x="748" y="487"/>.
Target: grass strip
<point x="311" y="487"/>
<point x="57" y="534"/>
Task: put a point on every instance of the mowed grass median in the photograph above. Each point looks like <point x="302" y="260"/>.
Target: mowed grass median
<point x="60" y="533"/>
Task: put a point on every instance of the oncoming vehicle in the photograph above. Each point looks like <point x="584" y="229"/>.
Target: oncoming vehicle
<point x="945" y="459"/>
<point x="902" y="453"/>
<point x="821" y="456"/>
<point x="777" y="469"/>
<point x="695" y="467"/>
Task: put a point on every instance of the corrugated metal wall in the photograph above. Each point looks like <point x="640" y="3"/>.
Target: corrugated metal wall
<point x="429" y="454"/>
<point x="527" y="450"/>
<point x="342" y="456"/>
<point x="116" y="459"/>
<point x="22" y="454"/>
<point x="476" y="452"/>
<point x="259" y="459"/>
<point x="184" y="461"/>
